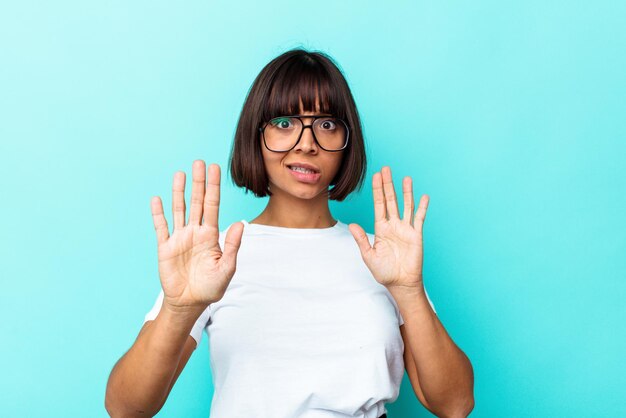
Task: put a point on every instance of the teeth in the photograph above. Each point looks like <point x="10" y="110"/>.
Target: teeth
<point x="302" y="170"/>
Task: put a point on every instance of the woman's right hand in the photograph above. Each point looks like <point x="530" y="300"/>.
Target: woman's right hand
<point x="193" y="269"/>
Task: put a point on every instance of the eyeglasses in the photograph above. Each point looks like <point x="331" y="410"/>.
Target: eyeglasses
<point x="282" y="133"/>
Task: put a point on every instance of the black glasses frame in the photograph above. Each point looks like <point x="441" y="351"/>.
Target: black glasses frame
<point x="299" y="117"/>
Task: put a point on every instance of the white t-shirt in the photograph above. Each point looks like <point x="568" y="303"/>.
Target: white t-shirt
<point x="303" y="330"/>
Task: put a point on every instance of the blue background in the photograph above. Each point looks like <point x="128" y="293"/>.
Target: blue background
<point x="509" y="115"/>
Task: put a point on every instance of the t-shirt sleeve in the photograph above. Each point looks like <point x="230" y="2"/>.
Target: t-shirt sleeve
<point x="196" y="331"/>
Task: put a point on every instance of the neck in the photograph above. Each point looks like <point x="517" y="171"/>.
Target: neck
<point x="292" y="212"/>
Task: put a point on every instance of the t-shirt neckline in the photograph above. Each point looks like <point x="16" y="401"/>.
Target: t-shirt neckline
<point x="281" y="230"/>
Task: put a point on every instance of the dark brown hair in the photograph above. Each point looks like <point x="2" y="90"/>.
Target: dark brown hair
<point x="293" y="76"/>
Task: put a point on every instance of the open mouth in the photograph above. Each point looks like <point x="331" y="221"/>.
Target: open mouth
<point x="302" y="170"/>
<point x="304" y="175"/>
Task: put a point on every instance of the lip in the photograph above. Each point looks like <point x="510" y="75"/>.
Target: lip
<point x="305" y="177"/>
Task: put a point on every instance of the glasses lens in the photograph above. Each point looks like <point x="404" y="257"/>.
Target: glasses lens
<point x="281" y="133"/>
<point x="330" y="133"/>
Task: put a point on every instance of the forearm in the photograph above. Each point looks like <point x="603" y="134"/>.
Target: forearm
<point x="140" y="381"/>
<point x="445" y="373"/>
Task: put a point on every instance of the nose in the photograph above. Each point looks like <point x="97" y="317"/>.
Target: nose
<point x="307" y="141"/>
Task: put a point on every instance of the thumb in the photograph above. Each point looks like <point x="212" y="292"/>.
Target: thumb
<point x="232" y="242"/>
<point x="361" y="239"/>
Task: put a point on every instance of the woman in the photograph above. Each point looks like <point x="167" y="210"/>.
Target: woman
<point x="305" y="317"/>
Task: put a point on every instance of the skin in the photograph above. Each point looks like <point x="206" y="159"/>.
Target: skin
<point x="295" y="204"/>
<point x="440" y="373"/>
<point x="194" y="272"/>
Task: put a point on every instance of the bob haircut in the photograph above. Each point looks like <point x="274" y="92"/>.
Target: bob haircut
<point x="293" y="76"/>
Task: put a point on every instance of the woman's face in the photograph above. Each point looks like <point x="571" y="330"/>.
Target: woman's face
<point x="283" y="180"/>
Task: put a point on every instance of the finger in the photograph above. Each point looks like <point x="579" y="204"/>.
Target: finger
<point x="420" y="214"/>
<point x="361" y="239"/>
<point x="407" y="195"/>
<point x="197" y="192"/>
<point x="379" y="198"/>
<point x="158" y="218"/>
<point x="212" y="197"/>
<point x="178" y="200"/>
<point x="390" y="194"/>
<point x="232" y="242"/>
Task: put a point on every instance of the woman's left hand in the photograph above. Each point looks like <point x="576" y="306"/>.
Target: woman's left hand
<point x="396" y="258"/>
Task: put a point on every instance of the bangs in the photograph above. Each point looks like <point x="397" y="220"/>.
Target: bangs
<point x="307" y="81"/>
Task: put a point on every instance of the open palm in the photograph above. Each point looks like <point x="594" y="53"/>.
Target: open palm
<point x="193" y="269"/>
<point x="396" y="258"/>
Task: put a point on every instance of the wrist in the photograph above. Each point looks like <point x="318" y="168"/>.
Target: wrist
<point x="407" y="295"/>
<point x="182" y="313"/>
<point x="412" y="290"/>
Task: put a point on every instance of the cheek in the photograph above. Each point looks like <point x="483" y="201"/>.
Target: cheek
<point x="273" y="164"/>
<point x="337" y="163"/>
<point x="269" y="158"/>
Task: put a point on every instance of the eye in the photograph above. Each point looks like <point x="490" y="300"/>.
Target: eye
<point x="327" y="124"/>
<point x="282" y="123"/>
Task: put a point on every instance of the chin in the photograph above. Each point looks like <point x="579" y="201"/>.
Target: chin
<point x="302" y="192"/>
<point x="305" y="194"/>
